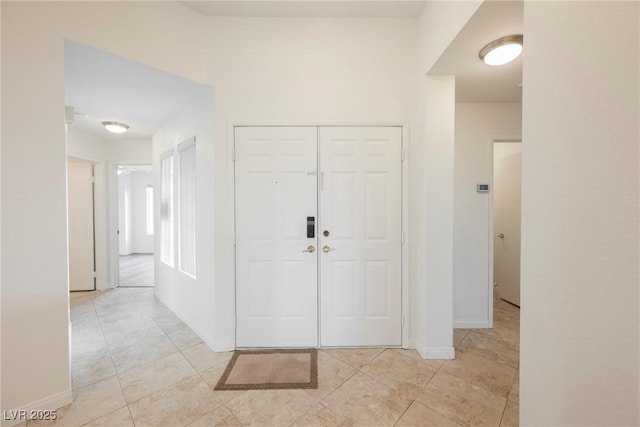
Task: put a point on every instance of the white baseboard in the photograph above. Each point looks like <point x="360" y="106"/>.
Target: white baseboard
<point x="47" y="404"/>
<point x="412" y="344"/>
<point x="472" y="324"/>
<point x="446" y="353"/>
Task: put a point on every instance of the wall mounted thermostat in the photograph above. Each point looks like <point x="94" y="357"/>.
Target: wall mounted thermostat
<point x="482" y="188"/>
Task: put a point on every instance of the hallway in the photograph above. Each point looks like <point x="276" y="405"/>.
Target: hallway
<point x="136" y="363"/>
<point x="136" y="270"/>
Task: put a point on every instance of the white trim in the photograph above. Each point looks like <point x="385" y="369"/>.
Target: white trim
<point x="47" y="404"/>
<point x="187" y="143"/>
<point x="494" y="139"/>
<point x="472" y="324"/>
<point x="114" y="221"/>
<point x="231" y="178"/>
<point x="446" y="353"/>
<point x="406" y="236"/>
<point x="166" y="154"/>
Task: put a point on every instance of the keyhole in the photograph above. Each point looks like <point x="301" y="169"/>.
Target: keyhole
<point x="325" y="233"/>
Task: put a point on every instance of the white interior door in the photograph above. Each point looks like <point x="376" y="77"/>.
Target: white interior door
<point x="81" y="230"/>
<point x="507" y="164"/>
<point x="360" y="230"/>
<point x="276" y="273"/>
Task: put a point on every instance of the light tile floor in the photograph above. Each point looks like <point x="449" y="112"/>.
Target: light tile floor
<point x="136" y="363"/>
<point x="136" y="270"/>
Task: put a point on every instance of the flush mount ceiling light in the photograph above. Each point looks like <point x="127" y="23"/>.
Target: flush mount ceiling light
<point x="115" y="127"/>
<point x="502" y="51"/>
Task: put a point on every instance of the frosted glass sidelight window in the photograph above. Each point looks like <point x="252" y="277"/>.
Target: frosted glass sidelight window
<point x="187" y="207"/>
<point x="166" y="209"/>
<point x="149" y="210"/>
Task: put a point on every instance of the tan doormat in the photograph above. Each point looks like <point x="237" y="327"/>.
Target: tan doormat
<point x="270" y="369"/>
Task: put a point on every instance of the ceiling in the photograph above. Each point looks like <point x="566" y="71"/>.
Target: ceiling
<point x="334" y="9"/>
<point x="105" y="87"/>
<point x="476" y="81"/>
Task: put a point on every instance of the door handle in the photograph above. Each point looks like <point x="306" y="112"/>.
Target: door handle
<point x="501" y="235"/>
<point x="311" y="249"/>
<point x="326" y="249"/>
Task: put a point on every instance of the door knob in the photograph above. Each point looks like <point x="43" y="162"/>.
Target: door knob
<point x="310" y="249"/>
<point x="501" y="235"/>
<point x="326" y="249"/>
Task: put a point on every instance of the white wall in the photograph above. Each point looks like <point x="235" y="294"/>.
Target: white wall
<point x="298" y="71"/>
<point x="190" y="298"/>
<point x="439" y="23"/>
<point x="85" y="146"/>
<point x="434" y="258"/>
<point x="477" y="124"/>
<point x="35" y="302"/>
<point x="431" y="165"/>
<point x="580" y="175"/>
<point x="130" y="152"/>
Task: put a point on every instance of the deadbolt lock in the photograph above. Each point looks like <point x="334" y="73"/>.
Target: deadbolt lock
<point x="325" y="233"/>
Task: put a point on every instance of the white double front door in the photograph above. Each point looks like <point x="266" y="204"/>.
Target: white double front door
<point x="318" y="236"/>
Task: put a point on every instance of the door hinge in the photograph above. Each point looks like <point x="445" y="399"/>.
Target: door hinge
<point x="321" y="181"/>
<point x="402" y="238"/>
<point x="402" y="155"/>
<point x="403" y="321"/>
<point x="233" y="155"/>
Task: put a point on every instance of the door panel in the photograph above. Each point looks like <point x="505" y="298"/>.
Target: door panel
<point x="507" y="207"/>
<point x="360" y="291"/>
<point x="276" y="282"/>
<point x="81" y="236"/>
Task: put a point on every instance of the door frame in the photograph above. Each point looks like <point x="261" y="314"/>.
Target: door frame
<point x="404" y="215"/>
<point x="494" y="139"/>
<point x="114" y="220"/>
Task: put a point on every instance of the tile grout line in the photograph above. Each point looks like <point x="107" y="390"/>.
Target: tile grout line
<point x="119" y="381"/>
<point x="150" y="362"/>
<point x="116" y="375"/>
<point x="139" y="301"/>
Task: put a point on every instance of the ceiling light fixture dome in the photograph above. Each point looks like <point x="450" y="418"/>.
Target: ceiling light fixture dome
<point x="115" y="127"/>
<point x="502" y="51"/>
